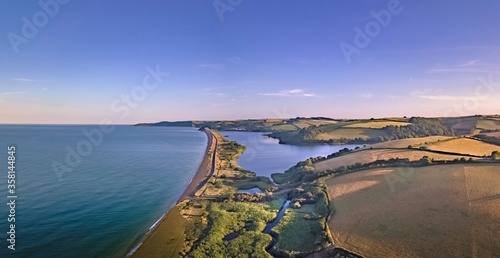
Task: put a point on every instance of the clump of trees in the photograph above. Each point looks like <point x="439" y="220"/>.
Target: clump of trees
<point x="339" y="153"/>
<point x="419" y="127"/>
<point x="228" y="217"/>
<point x="495" y="155"/>
<point x="425" y="161"/>
<point x="230" y="149"/>
<point x="302" y="171"/>
<point x="301" y="196"/>
<point x="256" y="197"/>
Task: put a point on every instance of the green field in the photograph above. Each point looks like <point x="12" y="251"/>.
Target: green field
<point x="301" y="230"/>
<point x="310" y="237"/>
<point x="371" y="155"/>
<point x="261" y="182"/>
<point x="464" y="146"/>
<point x="463" y="125"/>
<point x="284" y="127"/>
<point x="304" y="123"/>
<point x="488" y="124"/>
<point x="376" y="124"/>
<point x="350" y="133"/>
<point x="414" y="142"/>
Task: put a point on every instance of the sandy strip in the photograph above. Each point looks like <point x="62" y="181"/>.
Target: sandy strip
<point x="157" y="241"/>
<point x="203" y="173"/>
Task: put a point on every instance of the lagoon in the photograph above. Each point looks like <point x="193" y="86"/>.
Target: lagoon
<point x="265" y="156"/>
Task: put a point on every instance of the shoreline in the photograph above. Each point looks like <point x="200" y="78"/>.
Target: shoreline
<point x="201" y="176"/>
<point x="199" y="179"/>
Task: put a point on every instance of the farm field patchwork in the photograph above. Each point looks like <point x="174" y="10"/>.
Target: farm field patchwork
<point x="304" y="123"/>
<point x="495" y="134"/>
<point x="284" y="127"/>
<point x="351" y="133"/>
<point x="464" y="146"/>
<point x="371" y="155"/>
<point x="434" y="211"/>
<point x="415" y="142"/>
<point x="488" y="124"/>
<point x="463" y="124"/>
<point x="376" y="124"/>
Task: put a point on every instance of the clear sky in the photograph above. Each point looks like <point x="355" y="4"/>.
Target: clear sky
<point x="77" y="61"/>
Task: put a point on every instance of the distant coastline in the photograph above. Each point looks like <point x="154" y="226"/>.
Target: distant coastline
<point x="329" y="131"/>
<point x="166" y="123"/>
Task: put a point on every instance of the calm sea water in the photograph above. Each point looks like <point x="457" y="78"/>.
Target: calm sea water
<point x="266" y="156"/>
<point x="108" y="202"/>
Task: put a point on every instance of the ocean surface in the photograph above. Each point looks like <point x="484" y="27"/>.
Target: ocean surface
<point x="266" y="156"/>
<point x="102" y="203"/>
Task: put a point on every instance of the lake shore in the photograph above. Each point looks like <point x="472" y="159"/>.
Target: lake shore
<point x="166" y="238"/>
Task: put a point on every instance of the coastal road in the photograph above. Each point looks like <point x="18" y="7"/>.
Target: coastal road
<point x="201" y="178"/>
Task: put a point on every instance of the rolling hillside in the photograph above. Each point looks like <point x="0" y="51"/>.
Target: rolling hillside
<point x="435" y="211"/>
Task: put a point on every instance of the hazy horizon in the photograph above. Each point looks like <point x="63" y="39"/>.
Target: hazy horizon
<point x="69" y="62"/>
<point x="236" y="119"/>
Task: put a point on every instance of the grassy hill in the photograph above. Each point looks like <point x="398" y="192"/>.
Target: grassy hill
<point x="404" y="152"/>
<point x="415" y="142"/>
<point x="462" y="125"/>
<point x="410" y="202"/>
<point x="305" y="122"/>
<point x="376" y="124"/>
<point x="371" y="155"/>
<point x="366" y="131"/>
<point x="488" y="124"/>
<point x="435" y="211"/>
<point x="464" y="146"/>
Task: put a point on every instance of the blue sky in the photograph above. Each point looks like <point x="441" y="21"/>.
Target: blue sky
<point x="246" y="59"/>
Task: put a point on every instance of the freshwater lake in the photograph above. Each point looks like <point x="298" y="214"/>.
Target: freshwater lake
<point x="265" y="156"/>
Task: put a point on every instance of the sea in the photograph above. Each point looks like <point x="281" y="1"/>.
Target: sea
<point x="92" y="191"/>
<point x="104" y="204"/>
